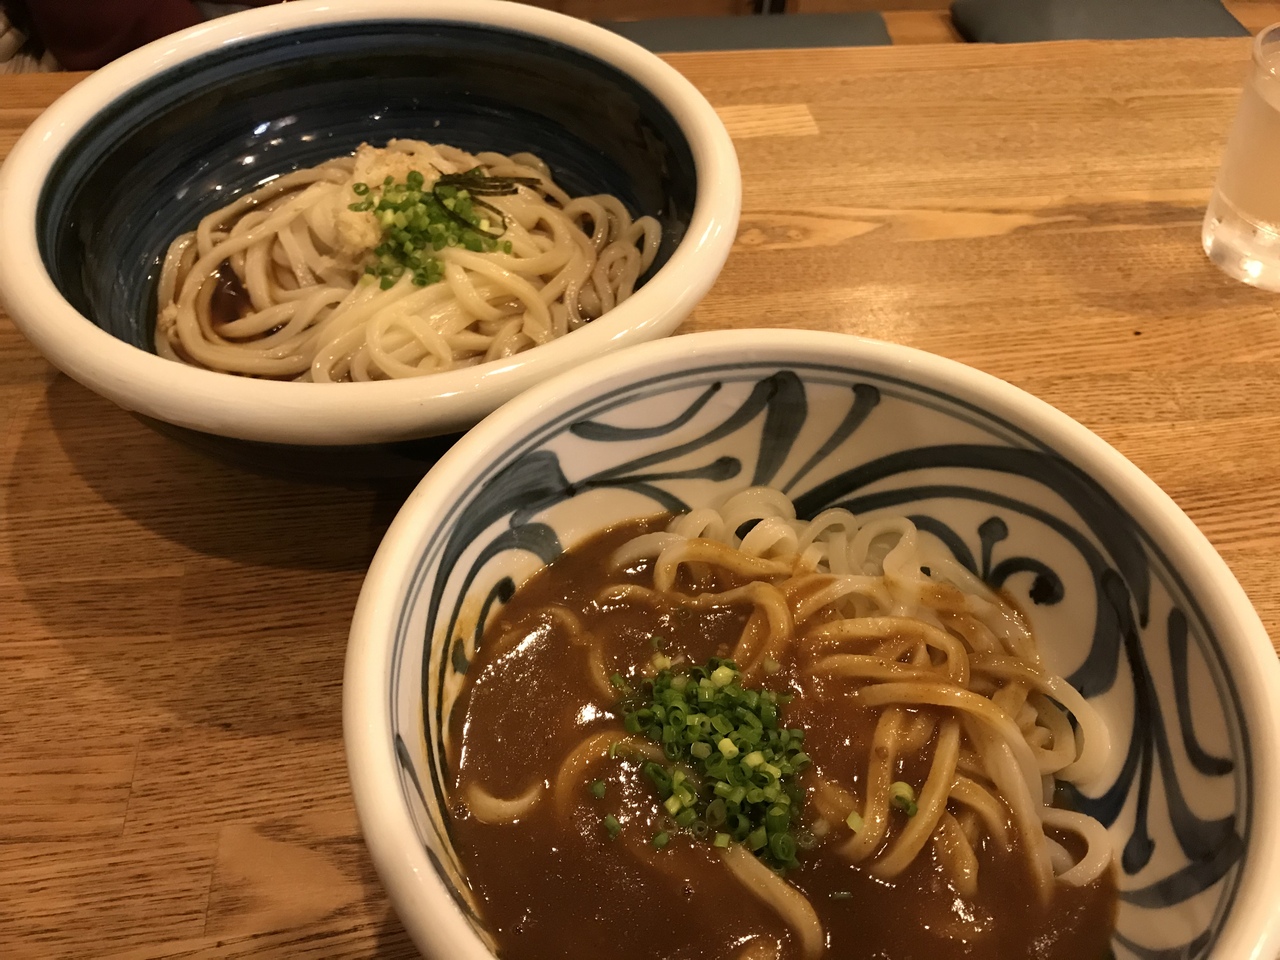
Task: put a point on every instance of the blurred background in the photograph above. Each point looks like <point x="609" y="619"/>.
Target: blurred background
<point x="41" y="35"/>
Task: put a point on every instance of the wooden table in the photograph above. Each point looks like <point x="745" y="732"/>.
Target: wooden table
<point x="172" y="781"/>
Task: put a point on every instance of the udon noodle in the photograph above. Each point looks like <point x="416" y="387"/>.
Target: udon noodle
<point x="903" y="666"/>
<point x="395" y="262"/>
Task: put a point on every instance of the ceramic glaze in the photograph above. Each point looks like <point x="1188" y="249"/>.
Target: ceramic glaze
<point x="1126" y="598"/>
<point x="95" y="190"/>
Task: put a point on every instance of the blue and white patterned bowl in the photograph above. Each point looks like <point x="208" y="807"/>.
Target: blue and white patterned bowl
<point x="93" y="193"/>
<point x="1128" y="599"/>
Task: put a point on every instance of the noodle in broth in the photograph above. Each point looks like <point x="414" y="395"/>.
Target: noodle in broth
<point x="932" y="730"/>
<point x="396" y="262"/>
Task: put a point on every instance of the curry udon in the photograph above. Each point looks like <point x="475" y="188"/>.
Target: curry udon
<point x="732" y="734"/>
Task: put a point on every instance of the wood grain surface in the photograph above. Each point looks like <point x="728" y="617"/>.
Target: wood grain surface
<point x="172" y="780"/>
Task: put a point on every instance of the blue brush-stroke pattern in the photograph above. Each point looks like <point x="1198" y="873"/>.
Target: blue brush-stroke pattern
<point x="720" y="469"/>
<point x="1194" y="948"/>
<point x="1098" y="672"/>
<point x="784" y="415"/>
<point x="1046" y="589"/>
<point x="1200" y="758"/>
<point x="606" y="433"/>
<point x="531" y="480"/>
<point x="991" y="531"/>
<point x="1119" y="570"/>
<point x="1095" y="507"/>
<point x="865" y="399"/>
<point x="405" y="759"/>
<point x="765" y="394"/>
<point x="498" y="595"/>
<point x="953" y="541"/>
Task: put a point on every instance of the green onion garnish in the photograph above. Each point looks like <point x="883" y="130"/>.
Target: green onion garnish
<point x="613" y="827"/>
<point x="732" y="769"/>
<point x="660" y="840"/>
<point x="417" y="220"/>
<point x="598" y="789"/>
<point x="902" y="796"/>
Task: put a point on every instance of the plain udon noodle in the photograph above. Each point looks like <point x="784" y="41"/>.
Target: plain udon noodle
<point x="890" y="619"/>
<point x="301" y="254"/>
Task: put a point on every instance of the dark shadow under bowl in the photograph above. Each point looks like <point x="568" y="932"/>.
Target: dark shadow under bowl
<point x="372" y="465"/>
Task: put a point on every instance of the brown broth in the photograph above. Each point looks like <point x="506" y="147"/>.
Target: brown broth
<point x="550" y="889"/>
<point x="230" y="300"/>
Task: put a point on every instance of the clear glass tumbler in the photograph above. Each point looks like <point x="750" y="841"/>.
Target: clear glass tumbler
<point x="1241" y="232"/>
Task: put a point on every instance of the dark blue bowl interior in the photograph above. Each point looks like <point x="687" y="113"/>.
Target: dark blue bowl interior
<point x="191" y="139"/>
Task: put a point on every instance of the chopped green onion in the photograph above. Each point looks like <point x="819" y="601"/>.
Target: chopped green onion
<point x="659" y="777"/>
<point x="854" y="821"/>
<point x="660" y="840"/>
<point x="722" y="676"/>
<point x="613" y="827"/>
<point x="716" y="812"/>
<point x="416" y="220"/>
<point x="731" y="766"/>
<point x="598" y="789"/>
<point x="777" y="819"/>
<point x="782" y="846"/>
<point x="903" y="797"/>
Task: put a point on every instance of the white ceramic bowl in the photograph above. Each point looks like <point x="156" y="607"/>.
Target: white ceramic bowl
<point x="1127" y="598"/>
<point x="92" y="193"/>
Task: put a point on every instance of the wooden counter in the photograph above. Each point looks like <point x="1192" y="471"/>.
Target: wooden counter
<point x="172" y="779"/>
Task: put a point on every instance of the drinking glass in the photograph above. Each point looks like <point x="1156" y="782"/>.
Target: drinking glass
<point x="1241" y="232"/>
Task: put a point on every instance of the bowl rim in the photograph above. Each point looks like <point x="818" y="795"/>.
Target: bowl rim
<point x="1249" y="658"/>
<point x="314" y="414"/>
